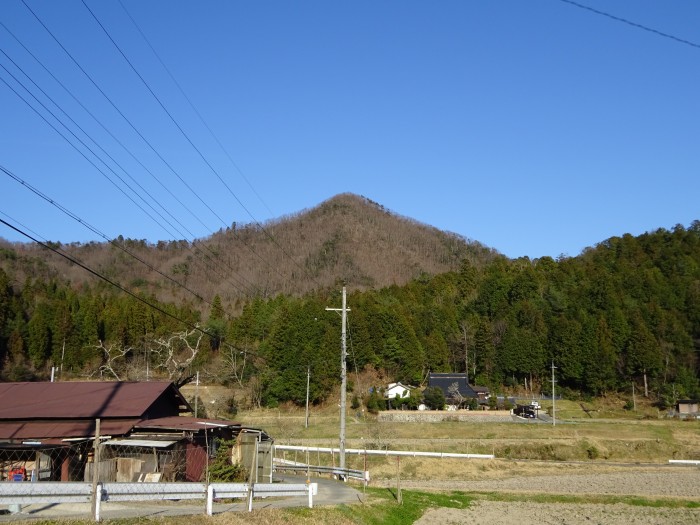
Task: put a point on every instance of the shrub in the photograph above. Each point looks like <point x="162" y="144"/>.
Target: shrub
<point x="222" y="468"/>
<point x="375" y="402"/>
<point x="434" y="398"/>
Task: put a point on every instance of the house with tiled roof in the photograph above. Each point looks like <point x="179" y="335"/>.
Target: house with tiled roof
<point x="456" y="388"/>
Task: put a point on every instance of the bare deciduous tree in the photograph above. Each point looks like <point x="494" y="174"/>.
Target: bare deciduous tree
<point x="455" y="394"/>
<point x="176" y="353"/>
<point x="114" y="359"/>
<point x="235" y="361"/>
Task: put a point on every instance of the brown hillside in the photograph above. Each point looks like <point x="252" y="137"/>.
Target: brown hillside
<point x="347" y="237"/>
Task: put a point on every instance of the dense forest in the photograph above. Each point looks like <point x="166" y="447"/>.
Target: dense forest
<point x="625" y="312"/>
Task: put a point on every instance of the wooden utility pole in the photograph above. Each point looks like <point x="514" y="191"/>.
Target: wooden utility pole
<point x="96" y="470"/>
<point x="343" y="375"/>
<point x="308" y="378"/>
<point x="554" y="412"/>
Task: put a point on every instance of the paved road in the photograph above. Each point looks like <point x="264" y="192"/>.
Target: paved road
<point x="330" y="492"/>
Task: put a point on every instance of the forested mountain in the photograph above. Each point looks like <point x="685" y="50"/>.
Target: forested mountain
<point x="624" y="312"/>
<point x="346" y="238"/>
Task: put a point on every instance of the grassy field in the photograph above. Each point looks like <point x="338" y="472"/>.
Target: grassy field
<point x="610" y="436"/>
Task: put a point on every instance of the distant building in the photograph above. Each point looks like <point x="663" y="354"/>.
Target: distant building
<point x="456" y="388"/>
<point x="397" y="390"/>
<point x="687" y="407"/>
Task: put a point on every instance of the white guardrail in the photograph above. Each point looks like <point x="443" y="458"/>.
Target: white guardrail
<point x="77" y="492"/>
<point x="684" y="462"/>
<point x="292" y="466"/>
<point x="370" y="452"/>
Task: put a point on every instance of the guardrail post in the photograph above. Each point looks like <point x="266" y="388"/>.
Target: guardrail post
<point x="98" y="501"/>
<point x="210" y="500"/>
<point x="251" y="490"/>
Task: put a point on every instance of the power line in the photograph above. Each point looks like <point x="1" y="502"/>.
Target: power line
<point x="96" y="144"/>
<point x="194" y="146"/>
<point x="170" y="167"/>
<point x="74" y="146"/>
<point x="209" y="258"/>
<point x="174" y="121"/>
<point x="107" y="130"/>
<point x="97" y="168"/>
<point x="87" y="75"/>
<point x="104" y="278"/>
<point x="98" y="232"/>
<point x="189" y="101"/>
<point x="633" y="24"/>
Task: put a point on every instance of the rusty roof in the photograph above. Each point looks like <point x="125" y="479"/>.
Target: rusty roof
<point x="75" y="400"/>
<point x="24" y="430"/>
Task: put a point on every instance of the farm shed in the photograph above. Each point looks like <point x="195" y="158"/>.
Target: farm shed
<point x="47" y="432"/>
<point x="688" y="407"/>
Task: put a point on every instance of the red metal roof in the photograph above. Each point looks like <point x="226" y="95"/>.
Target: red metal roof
<point x="26" y="430"/>
<point x="75" y="400"/>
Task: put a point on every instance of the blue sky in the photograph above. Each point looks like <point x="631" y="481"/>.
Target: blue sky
<point x="537" y="128"/>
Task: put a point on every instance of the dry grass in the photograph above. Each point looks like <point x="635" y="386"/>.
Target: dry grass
<point x="317" y="516"/>
<point x="611" y="435"/>
<point x="601" y="440"/>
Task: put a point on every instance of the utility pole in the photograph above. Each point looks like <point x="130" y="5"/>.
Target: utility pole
<point x="63" y="353"/>
<point x="308" y="377"/>
<point x="554" y="413"/>
<point x="343" y="375"/>
<point x="196" y="395"/>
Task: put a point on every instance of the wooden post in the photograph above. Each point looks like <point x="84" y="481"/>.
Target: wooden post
<point x="95" y="472"/>
<point x="399" y="497"/>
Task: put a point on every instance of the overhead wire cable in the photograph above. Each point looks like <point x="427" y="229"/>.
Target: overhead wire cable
<point x="170" y="167"/>
<point x="77" y="262"/>
<point x="631" y="23"/>
<point x="144" y="190"/>
<point x="189" y="140"/>
<point x="194" y="242"/>
<point x="201" y="155"/>
<point x="105" y="128"/>
<point x="194" y="108"/>
<point x="213" y="263"/>
<point x="95" y="230"/>
<point x="126" y="119"/>
<point x="74" y="146"/>
<point x="97" y="274"/>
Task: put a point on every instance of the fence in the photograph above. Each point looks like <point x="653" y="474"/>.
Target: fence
<point x="169" y="461"/>
<point x="81" y="492"/>
<point x="44" y="463"/>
